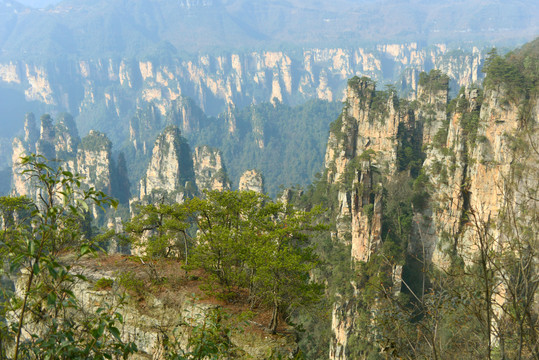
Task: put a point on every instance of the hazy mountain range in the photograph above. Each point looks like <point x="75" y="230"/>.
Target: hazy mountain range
<point x="92" y="28"/>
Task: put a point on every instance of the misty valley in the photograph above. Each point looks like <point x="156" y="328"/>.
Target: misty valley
<point x="231" y="179"/>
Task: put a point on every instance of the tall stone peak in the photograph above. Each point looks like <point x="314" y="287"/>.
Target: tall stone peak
<point x="20" y="184"/>
<point x="210" y="171"/>
<point x="369" y="144"/>
<point x="366" y="148"/>
<point x="252" y="180"/>
<point x="94" y="161"/>
<point x="144" y="125"/>
<point x="30" y="130"/>
<point x="90" y="157"/>
<point x="67" y="137"/>
<point x="45" y="143"/>
<point x="46" y="132"/>
<point x="170" y="171"/>
<point x="369" y="122"/>
<point x="96" y="141"/>
<point x="432" y="99"/>
<point x="289" y="194"/>
<point x="362" y="87"/>
<point x="230" y="117"/>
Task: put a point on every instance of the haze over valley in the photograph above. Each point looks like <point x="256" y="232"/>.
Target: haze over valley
<point x="260" y="179"/>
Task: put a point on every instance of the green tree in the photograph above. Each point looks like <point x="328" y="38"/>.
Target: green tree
<point x="248" y="241"/>
<point x="207" y="339"/>
<point x="283" y="260"/>
<point x="161" y="230"/>
<point x="44" y="320"/>
<point x="227" y="224"/>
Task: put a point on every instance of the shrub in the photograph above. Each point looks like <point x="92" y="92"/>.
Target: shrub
<point x="129" y="281"/>
<point x="103" y="284"/>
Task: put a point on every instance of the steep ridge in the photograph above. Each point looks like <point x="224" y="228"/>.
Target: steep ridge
<point x="103" y="93"/>
<point x="427" y="183"/>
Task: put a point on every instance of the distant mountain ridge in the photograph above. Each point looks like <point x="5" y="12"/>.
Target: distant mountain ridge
<point x="38" y="4"/>
<point x="91" y="29"/>
<point x="104" y="93"/>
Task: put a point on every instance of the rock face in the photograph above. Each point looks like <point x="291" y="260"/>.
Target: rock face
<point x="30" y="131"/>
<point x="210" y="172"/>
<point x="186" y="114"/>
<point x="90" y="157"/>
<point x="472" y="173"/>
<point x="45" y="143"/>
<point x="170" y="171"/>
<point x="362" y="142"/>
<point x="252" y="180"/>
<point x="162" y="319"/>
<point x="19" y="182"/>
<point x="447" y="171"/>
<point x="362" y="152"/>
<point x="142" y="125"/>
<point x="471" y="160"/>
<point x="432" y="98"/>
<point x="42" y="144"/>
<point x="24" y="147"/>
<point x="67" y="138"/>
<point x="215" y="82"/>
<point x="94" y="161"/>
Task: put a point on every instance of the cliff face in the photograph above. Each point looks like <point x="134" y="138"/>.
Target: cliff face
<point x="362" y="153"/>
<point x="23" y="147"/>
<point x="217" y="81"/>
<point x="67" y="138"/>
<point x="162" y="320"/>
<point x="472" y="172"/>
<point x="142" y="126"/>
<point x="90" y="157"/>
<point x="184" y="112"/>
<point x="170" y="171"/>
<point x="362" y="144"/>
<point x="446" y="164"/>
<point x="496" y="156"/>
<point x="210" y="172"/>
<point x="42" y="144"/>
<point x="474" y="160"/>
<point x="94" y="161"/>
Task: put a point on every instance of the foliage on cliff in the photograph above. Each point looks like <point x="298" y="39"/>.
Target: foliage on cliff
<point x="400" y="302"/>
<point x="244" y="240"/>
<point x="518" y="71"/>
<point x="435" y="80"/>
<point x="96" y="141"/>
<point x="45" y="319"/>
